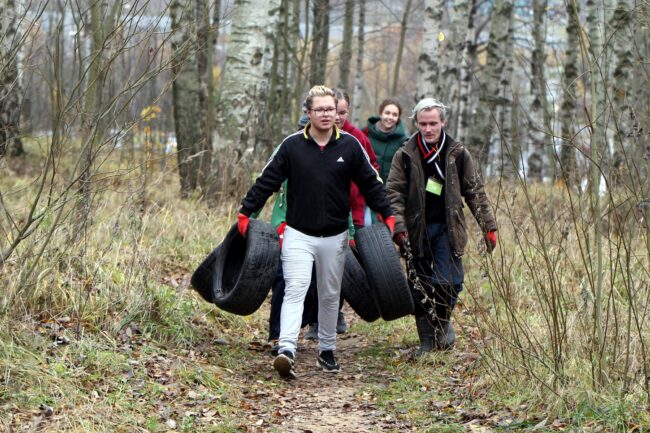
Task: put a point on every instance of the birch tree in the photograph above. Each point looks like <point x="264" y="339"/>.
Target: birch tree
<point x="485" y="120"/>
<point x="188" y="121"/>
<point x="288" y="59"/>
<point x="346" y="47"/>
<point x="207" y="34"/>
<point x="10" y="80"/>
<point x="640" y="115"/>
<point x="623" y="34"/>
<point x="570" y="81"/>
<point x="244" y="86"/>
<point x="431" y="49"/>
<point x="540" y="115"/>
<point x="458" y="68"/>
<point x="400" y="45"/>
<point x="467" y="62"/>
<point x="299" y="57"/>
<point x="358" y="79"/>
<point x="509" y="151"/>
<point x="448" y="32"/>
<point x="320" y="42"/>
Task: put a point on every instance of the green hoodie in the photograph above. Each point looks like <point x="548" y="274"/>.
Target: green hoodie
<point x="385" y="144"/>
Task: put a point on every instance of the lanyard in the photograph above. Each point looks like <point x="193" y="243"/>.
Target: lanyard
<point x="431" y="155"/>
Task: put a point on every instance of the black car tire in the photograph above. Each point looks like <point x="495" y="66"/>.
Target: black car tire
<point x="203" y="277"/>
<point x="243" y="269"/>
<point x="356" y="291"/>
<point x="384" y="272"/>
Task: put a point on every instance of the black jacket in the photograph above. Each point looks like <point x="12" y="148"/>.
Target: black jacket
<point x="318" y="190"/>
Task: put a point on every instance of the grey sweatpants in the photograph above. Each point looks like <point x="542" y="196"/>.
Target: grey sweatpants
<point x="299" y="253"/>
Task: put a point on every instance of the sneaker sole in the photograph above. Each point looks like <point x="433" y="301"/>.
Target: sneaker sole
<point x="325" y="369"/>
<point x="283" y="366"/>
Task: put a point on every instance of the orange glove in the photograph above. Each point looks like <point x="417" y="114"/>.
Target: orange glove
<point x="280" y="231"/>
<point x="390" y="222"/>
<point x="491" y="240"/>
<point x="242" y="224"/>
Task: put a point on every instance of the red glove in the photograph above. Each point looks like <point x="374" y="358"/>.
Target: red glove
<point x="280" y="231"/>
<point x="390" y="222"/>
<point x="352" y="243"/>
<point x="491" y="240"/>
<point x="242" y="224"/>
<point x="401" y="239"/>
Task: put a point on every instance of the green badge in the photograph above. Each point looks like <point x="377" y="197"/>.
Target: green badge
<point x="433" y="186"/>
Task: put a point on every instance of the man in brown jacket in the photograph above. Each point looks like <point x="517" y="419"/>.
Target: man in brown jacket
<point x="430" y="177"/>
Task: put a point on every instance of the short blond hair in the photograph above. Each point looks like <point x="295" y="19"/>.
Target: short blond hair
<point x="317" y="91"/>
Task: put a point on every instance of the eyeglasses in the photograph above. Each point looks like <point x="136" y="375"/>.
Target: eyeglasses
<point x="323" y="111"/>
<point x="343" y="113"/>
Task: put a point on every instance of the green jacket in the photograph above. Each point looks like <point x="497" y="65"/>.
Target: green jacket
<point x="385" y="144"/>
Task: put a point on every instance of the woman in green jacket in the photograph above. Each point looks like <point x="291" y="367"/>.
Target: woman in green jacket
<point x="387" y="134"/>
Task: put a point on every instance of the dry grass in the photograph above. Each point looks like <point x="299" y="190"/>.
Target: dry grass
<point x="528" y="309"/>
<point x="534" y="303"/>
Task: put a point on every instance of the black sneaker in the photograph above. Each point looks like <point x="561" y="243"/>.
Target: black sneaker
<point x="328" y="362"/>
<point x="284" y="363"/>
<point x="312" y="332"/>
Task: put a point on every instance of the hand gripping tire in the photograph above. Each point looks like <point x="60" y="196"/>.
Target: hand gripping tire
<point x="242" y="269"/>
<point x="384" y="272"/>
<point x="356" y="291"/>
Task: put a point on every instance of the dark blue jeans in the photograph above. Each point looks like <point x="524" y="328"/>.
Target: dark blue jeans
<point x="440" y="272"/>
<point x="310" y="313"/>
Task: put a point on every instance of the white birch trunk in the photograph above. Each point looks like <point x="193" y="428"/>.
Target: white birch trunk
<point x="358" y="79"/>
<point x="539" y="119"/>
<point x="430" y="55"/>
<point x="510" y="153"/>
<point x="570" y="96"/>
<point x="243" y="86"/>
<point x="484" y="125"/>
<point x="299" y="51"/>
<point x="622" y="38"/>
<point x="468" y="60"/>
<point x="457" y="71"/>
<point x="10" y="80"/>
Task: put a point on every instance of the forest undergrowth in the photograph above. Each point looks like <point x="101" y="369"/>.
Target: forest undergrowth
<point x="101" y="331"/>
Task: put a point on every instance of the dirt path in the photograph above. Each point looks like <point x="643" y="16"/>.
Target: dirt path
<point x="316" y="401"/>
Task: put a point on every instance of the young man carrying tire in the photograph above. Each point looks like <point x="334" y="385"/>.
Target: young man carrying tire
<point x="319" y="162"/>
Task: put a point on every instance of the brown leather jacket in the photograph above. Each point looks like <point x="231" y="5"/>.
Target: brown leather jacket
<point x="406" y="190"/>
